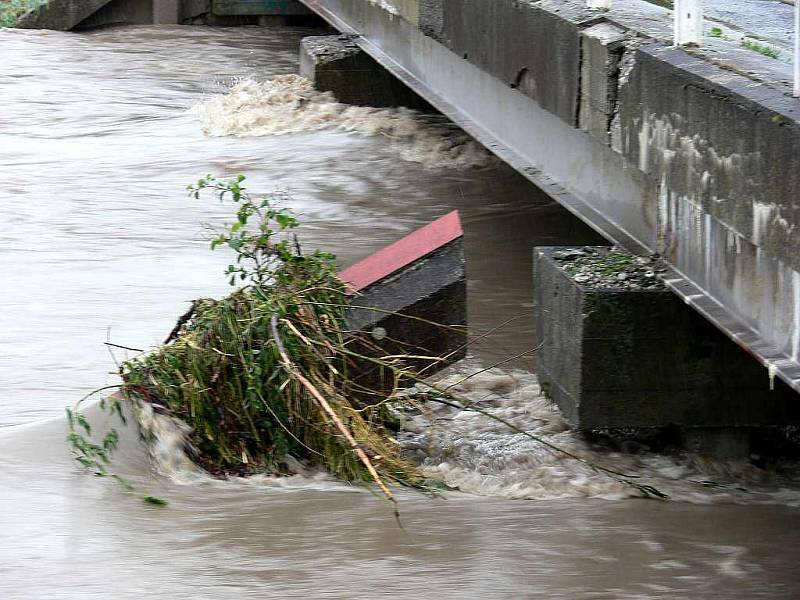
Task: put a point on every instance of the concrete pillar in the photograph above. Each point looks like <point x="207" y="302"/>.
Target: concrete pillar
<point x="415" y="284"/>
<point x="619" y="350"/>
<point x="336" y="64"/>
<point x="166" y="12"/>
<point x="240" y="8"/>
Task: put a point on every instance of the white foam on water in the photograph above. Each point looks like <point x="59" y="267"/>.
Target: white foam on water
<point x="477" y="454"/>
<point x="480" y="455"/>
<point x="289" y="104"/>
<point x="170" y="449"/>
<point x="167" y="440"/>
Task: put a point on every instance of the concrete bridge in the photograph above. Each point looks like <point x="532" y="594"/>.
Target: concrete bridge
<point x="691" y="153"/>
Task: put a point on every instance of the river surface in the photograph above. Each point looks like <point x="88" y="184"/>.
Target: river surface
<point x="99" y="135"/>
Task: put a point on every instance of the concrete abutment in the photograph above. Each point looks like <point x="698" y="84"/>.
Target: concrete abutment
<point x="65" y="15"/>
<point x="335" y="63"/>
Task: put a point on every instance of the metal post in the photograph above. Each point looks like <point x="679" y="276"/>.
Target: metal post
<point x="797" y="48"/>
<point x="688" y="22"/>
<point x="598" y="3"/>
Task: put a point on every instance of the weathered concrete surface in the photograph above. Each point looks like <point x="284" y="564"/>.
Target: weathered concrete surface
<point x="412" y="294"/>
<point x="141" y="12"/>
<point x="698" y="161"/>
<point x="64" y="15"/>
<point x="602" y="49"/>
<point x="770" y="19"/>
<point x="527" y="45"/>
<point x="614" y="358"/>
<point x="336" y="64"/>
<point x="722" y="158"/>
<point x="61" y="15"/>
<point x="259" y="7"/>
<point x="720" y="144"/>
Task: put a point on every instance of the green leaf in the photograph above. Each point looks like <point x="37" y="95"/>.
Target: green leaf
<point x="111" y="440"/>
<point x="83" y="423"/>
<point x="155" y="501"/>
<point x="123" y="482"/>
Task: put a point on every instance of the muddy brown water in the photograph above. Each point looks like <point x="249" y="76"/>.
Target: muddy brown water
<point x="97" y="143"/>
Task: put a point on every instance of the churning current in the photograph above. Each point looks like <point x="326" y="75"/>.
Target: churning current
<point x="100" y="133"/>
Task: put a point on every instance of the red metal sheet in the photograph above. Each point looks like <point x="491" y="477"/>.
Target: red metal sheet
<point x="403" y="252"/>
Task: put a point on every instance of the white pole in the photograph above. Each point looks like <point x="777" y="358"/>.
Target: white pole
<point x="688" y="22"/>
<point x="598" y="3"/>
<point x="797" y="48"/>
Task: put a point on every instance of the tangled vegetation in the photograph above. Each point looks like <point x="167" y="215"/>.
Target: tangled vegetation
<point x="12" y="10"/>
<point x="763" y="49"/>
<point x="273" y="369"/>
<point x="270" y="370"/>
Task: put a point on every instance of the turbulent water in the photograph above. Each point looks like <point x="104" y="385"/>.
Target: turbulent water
<point x="289" y="104"/>
<point x="99" y="135"/>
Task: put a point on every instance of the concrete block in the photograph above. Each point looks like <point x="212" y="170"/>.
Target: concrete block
<point x="258" y="8"/>
<point x="618" y="358"/>
<point x="166" y="12"/>
<point x="603" y="46"/>
<point x="421" y="280"/>
<point x="61" y="15"/>
<point x="336" y="64"/>
<point x="533" y="47"/>
<point x="431" y="18"/>
<point x="401" y="292"/>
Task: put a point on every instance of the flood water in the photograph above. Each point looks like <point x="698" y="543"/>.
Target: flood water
<point x="99" y="135"/>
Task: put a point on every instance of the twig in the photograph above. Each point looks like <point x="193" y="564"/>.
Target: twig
<point x="354" y="445"/>
<point x="97" y="391"/>
<point x="497" y="364"/>
<point x="473" y="341"/>
<point x="123" y="347"/>
<point x="184" y="318"/>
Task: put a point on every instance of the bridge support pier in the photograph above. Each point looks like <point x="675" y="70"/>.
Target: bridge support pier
<point x="620" y="351"/>
<point x="334" y="63"/>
